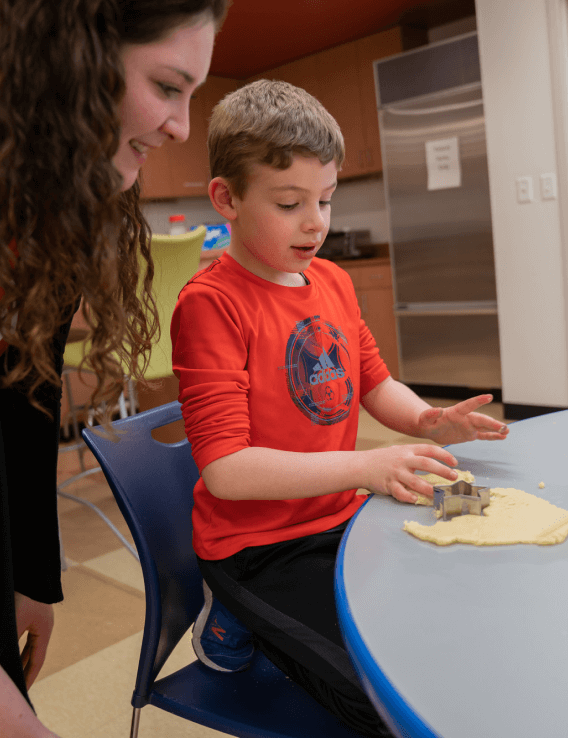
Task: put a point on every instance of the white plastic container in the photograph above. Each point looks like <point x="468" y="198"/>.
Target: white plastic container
<point x="177" y="225"/>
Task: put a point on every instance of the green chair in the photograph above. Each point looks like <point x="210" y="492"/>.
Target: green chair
<point x="176" y="259"/>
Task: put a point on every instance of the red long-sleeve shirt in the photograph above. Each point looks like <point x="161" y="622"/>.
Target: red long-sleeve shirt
<point x="278" y="367"/>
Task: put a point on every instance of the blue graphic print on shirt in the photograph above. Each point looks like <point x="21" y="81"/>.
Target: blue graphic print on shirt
<point x="318" y="371"/>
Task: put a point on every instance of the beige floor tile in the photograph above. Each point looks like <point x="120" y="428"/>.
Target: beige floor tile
<point x="93" y="488"/>
<point x="119" y="565"/>
<point x="96" y="612"/>
<point x="85" y="535"/>
<point x="92" y="697"/>
<point x="154" y="723"/>
<point x="87" y="695"/>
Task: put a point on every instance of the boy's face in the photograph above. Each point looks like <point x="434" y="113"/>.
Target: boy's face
<point x="283" y="218"/>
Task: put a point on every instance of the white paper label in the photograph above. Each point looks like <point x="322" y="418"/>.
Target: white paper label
<point x="443" y="163"/>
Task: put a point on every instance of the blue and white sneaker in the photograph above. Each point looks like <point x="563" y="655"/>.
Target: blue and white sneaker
<point x="220" y="640"/>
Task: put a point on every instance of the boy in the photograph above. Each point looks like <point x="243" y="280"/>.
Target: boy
<point x="273" y="359"/>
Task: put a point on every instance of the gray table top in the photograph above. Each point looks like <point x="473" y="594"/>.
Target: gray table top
<point x="474" y="639"/>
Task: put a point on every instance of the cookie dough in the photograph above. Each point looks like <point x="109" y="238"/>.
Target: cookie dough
<point x="433" y="479"/>
<point x="513" y="516"/>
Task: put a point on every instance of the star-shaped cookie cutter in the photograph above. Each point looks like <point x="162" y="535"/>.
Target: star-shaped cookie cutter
<point x="460" y="498"/>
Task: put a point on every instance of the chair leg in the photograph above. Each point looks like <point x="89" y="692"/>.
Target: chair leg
<point x="132" y="399"/>
<point x="135" y="722"/>
<point x="122" y="406"/>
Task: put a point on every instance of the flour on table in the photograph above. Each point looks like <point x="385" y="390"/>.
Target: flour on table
<point x="513" y="516"/>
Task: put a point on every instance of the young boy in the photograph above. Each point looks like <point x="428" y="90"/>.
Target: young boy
<point x="273" y="360"/>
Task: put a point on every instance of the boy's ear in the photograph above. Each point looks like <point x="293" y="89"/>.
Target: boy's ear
<point x="221" y="198"/>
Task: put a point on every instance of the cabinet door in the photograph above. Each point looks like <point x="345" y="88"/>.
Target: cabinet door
<point x="182" y="170"/>
<point x="331" y="76"/>
<point x="188" y="161"/>
<point x="377" y="312"/>
<point x="340" y="94"/>
<point x="155" y="175"/>
<point x="301" y="73"/>
<point x="342" y="79"/>
<point x="212" y="92"/>
<point x="369" y="49"/>
<point x="373" y="287"/>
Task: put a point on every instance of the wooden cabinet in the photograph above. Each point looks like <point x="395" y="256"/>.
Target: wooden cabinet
<point x="300" y="73"/>
<point x="182" y="170"/>
<point x="341" y="94"/>
<point x="342" y="79"/>
<point x="372" y="280"/>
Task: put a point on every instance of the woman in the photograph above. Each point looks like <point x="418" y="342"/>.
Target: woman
<point x="88" y="87"/>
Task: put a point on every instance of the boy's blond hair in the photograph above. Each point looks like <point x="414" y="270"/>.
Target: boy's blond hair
<point x="267" y="122"/>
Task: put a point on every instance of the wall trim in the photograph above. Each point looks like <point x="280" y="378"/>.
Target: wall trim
<point x="557" y="20"/>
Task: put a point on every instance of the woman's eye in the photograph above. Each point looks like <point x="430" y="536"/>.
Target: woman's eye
<point x="323" y="203"/>
<point x="168" y="90"/>
<point x="287" y="207"/>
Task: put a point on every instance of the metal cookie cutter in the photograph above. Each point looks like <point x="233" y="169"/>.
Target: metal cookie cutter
<point x="460" y="498"/>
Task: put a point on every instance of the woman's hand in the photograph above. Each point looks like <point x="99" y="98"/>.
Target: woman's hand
<point x="35" y="618"/>
<point x="391" y="470"/>
<point x="460" y="423"/>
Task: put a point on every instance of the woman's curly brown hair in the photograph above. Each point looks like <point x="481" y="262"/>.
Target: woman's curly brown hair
<point x="77" y="235"/>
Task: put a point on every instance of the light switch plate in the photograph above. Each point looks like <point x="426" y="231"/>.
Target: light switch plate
<point x="548" y="186"/>
<point x="524" y="189"/>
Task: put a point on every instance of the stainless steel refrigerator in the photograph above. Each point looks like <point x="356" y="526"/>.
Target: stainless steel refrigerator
<point x="437" y="190"/>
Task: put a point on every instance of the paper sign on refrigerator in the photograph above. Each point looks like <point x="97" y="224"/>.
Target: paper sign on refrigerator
<point x="443" y="163"/>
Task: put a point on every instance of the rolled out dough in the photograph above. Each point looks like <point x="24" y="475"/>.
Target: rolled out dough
<point x="513" y="516"/>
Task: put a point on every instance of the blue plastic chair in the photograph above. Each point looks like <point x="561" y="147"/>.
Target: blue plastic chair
<point x="153" y="486"/>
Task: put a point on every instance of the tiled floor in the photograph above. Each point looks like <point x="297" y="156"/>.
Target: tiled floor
<point x="85" y="687"/>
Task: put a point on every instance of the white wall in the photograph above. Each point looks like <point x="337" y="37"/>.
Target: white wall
<point x="519" y="120"/>
<point x="357" y="205"/>
<point x="360" y="204"/>
<point x="197" y="210"/>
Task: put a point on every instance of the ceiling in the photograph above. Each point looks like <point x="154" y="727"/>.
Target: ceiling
<point x="262" y="34"/>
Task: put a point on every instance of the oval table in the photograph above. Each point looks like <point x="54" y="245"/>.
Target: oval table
<point x="463" y="641"/>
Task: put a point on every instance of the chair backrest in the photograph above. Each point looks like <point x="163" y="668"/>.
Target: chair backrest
<point x="153" y="485"/>
<point x="176" y="259"/>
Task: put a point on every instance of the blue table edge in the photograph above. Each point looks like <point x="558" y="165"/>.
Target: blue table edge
<point x="394" y="710"/>
<point x="392" y="707"/>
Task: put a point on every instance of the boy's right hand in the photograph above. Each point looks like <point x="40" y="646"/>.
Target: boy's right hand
<point x="391" y="470"/>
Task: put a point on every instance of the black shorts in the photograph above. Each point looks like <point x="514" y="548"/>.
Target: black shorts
<point x="284" y="593"/>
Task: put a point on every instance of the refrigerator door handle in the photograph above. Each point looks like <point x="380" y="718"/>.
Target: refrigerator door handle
<point x="433" y="111"/>
<point x="422" y="309"/>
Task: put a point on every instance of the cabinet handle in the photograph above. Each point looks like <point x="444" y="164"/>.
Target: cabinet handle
<point x="376" y="276"/>
<point x="364" y="302"/>
<point x="370" y="157"/>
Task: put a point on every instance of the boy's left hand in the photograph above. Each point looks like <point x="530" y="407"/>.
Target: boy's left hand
<point x="460" y="423"/>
